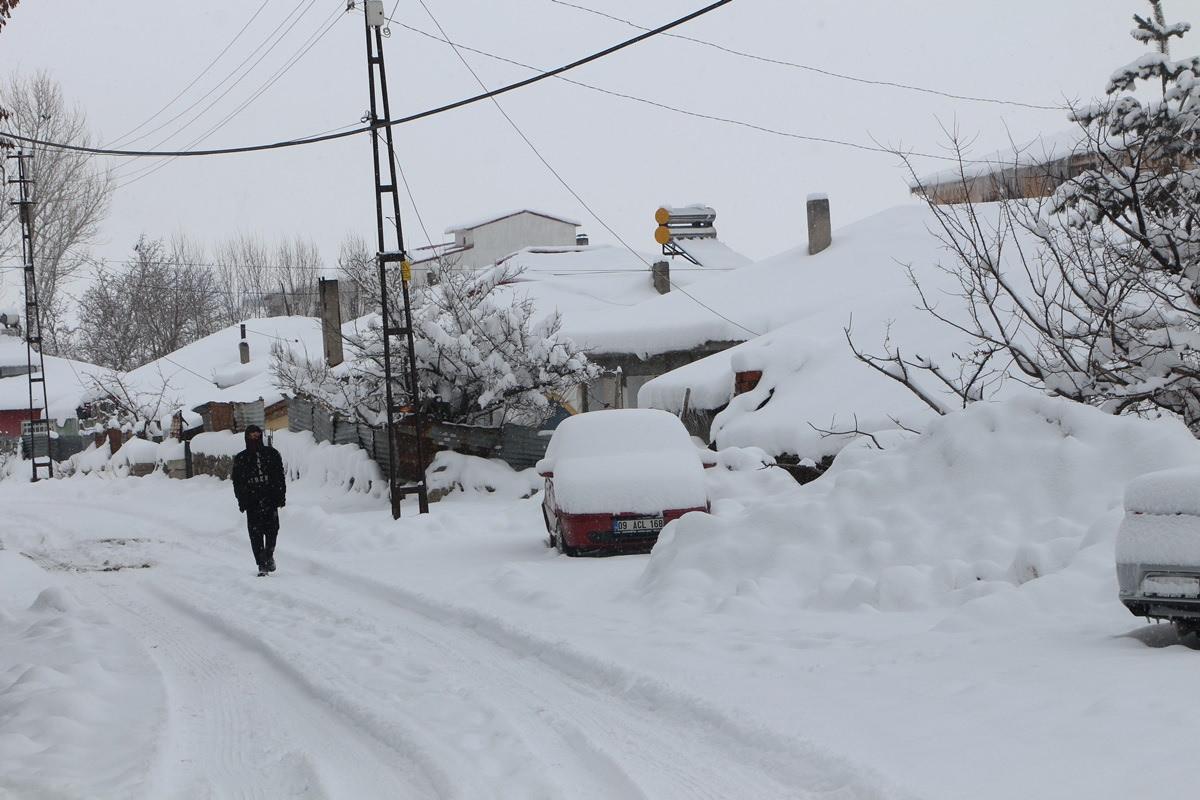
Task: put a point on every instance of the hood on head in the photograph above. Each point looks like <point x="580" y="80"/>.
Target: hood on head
<point x="251" y="444"/>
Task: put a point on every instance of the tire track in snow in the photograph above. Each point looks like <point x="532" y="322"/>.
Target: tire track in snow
<point x="606" y="702"/>
<point x="238" y="725"/>
<point x="801" y="768"/>
<point x="613" y="711"/>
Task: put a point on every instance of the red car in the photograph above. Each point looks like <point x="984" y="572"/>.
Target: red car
<point x="615" y="478"/>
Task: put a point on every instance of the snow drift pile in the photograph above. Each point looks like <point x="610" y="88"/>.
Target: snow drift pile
<point x="989" y="498"/>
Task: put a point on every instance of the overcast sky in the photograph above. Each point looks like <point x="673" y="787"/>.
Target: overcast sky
<point x="122" y="61"/>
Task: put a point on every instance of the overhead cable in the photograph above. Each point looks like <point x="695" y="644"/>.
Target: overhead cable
<point x="302" y="141"/>
<point x="819" y="70"/>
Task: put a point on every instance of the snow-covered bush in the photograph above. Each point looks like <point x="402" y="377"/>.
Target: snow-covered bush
<point x="478" y="361"/>
<point x="454" y="472"/>
<point x="1090" y="293"/>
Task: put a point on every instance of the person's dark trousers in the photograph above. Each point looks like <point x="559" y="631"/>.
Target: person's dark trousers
<point x="263" y="525"/>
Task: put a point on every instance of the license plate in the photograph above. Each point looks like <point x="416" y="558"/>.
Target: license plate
<point x="1171" y="586"/>
<point x="637" y="526"/>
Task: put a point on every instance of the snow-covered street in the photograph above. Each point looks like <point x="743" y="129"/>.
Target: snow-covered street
<point x="454" y="655"/>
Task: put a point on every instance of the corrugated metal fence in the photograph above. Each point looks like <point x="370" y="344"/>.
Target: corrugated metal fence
<point x="521" y="447"/>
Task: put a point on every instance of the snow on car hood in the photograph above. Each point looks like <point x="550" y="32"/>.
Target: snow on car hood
<point x="641" y="483"/>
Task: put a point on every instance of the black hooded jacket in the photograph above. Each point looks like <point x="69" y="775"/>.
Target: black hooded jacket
<point x="258" y="477"/>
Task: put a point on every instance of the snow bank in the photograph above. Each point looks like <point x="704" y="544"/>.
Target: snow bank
<point x="989" y="498"/>
<point x="455" y="472"/>
<point x="626" y="460"/>
<point x="67" y="676"/>
<point x="219" y="443"/>
<point x="312" y="463"/>
<point x="93" y="459"/>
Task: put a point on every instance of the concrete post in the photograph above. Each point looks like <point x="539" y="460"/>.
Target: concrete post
<point x="820" y="232"/>
<point x="244" y="351"/>
<point x="661" y="275"/>
<point x="331" y="322"/>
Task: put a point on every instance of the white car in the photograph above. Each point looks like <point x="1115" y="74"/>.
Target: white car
<point x="1158" y="548"/>
<point x="615" y="478"/>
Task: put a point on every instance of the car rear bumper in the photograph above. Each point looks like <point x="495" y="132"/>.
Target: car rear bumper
<point x="594" y="533"/>
<point x="1132" y="578"/>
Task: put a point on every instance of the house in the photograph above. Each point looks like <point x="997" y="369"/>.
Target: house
<point x="211" y="383"/>
<point x="796" y="389"/>
<point x="481" y="242"/>
<point x="1032" y="170"/>
<point x="607" y="296"/>
<point x="67" y="382"/>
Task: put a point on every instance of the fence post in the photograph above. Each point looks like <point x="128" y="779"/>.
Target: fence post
<point x="187" y="459"/>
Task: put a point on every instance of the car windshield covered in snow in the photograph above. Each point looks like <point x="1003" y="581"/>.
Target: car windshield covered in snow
<point x="624" y="461"/>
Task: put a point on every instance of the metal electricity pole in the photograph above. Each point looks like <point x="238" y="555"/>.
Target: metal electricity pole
<point x="39" y="429"/>
<point x="397" y="324"/>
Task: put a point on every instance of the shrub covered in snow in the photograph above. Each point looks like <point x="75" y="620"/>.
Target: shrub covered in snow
<point x="455" y="472"/>
<point x="991" y="497"/>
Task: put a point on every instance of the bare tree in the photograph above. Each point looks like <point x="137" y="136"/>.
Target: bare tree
<point x="296" y="270"/>
<point x="162" y="299"/>
<point x="359" y="274"/>
<point x="1091" y="293"/>
<point x="243" y="278"/>
<point x="71" y="195"/>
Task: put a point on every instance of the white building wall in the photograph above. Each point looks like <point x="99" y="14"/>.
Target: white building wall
<point x="500" y="238"/>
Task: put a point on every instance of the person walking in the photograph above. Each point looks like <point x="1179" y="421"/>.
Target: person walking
<point x="261" y="490"/>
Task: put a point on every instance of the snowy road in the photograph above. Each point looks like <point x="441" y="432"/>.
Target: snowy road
<point x="320" y="682"/>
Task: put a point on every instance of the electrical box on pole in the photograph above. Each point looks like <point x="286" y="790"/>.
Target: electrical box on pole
<point x="397" y="322"/>
<point x="375" y="15"/>
<point x="36" y="432"/>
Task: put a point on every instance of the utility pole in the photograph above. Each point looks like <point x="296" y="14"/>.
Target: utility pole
<point x="398" y="324"/>
<point x="39" y="429"/>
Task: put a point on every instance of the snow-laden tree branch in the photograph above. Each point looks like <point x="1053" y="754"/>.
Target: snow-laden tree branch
<point x="1090" y="293"/>
<point x="479" y="360"/>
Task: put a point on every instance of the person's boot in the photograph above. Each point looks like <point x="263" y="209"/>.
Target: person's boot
<point x="270" y="564"/>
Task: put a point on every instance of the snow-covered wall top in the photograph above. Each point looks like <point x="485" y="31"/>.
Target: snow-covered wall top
<point x="1044" y="149"/>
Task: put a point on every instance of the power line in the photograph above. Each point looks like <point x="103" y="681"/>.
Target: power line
<point x="308" y="45"/>
<point x="200" y="75"/>
<point x="694" y="114"/>
<point x="302" y="141"/>
<point x="564" y="182"/>
<point x="817" y="70"/>
<point x="299" y="7"/>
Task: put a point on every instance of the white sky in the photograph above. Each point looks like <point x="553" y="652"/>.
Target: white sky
<point x="123" y="61"/>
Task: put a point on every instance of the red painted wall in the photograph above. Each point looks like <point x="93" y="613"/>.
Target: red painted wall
<point x="10" y="420"/>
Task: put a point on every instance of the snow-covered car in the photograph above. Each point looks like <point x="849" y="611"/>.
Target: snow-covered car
<point x="1158" y="548"/>
<point x="615" y="478"/>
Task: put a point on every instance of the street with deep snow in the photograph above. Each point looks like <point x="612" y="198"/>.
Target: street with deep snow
<point x="454" y="655"/>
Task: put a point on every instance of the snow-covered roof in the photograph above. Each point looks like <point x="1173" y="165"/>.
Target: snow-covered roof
<point x="801" y="304"/>
<point x="713" y="253"/>
<point x="478" y="223"/>
<point x="66" y="381"/>
<point x="1044" y="149"/>
<point x="593" y="282"/>
<point x="210" y="370"/>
